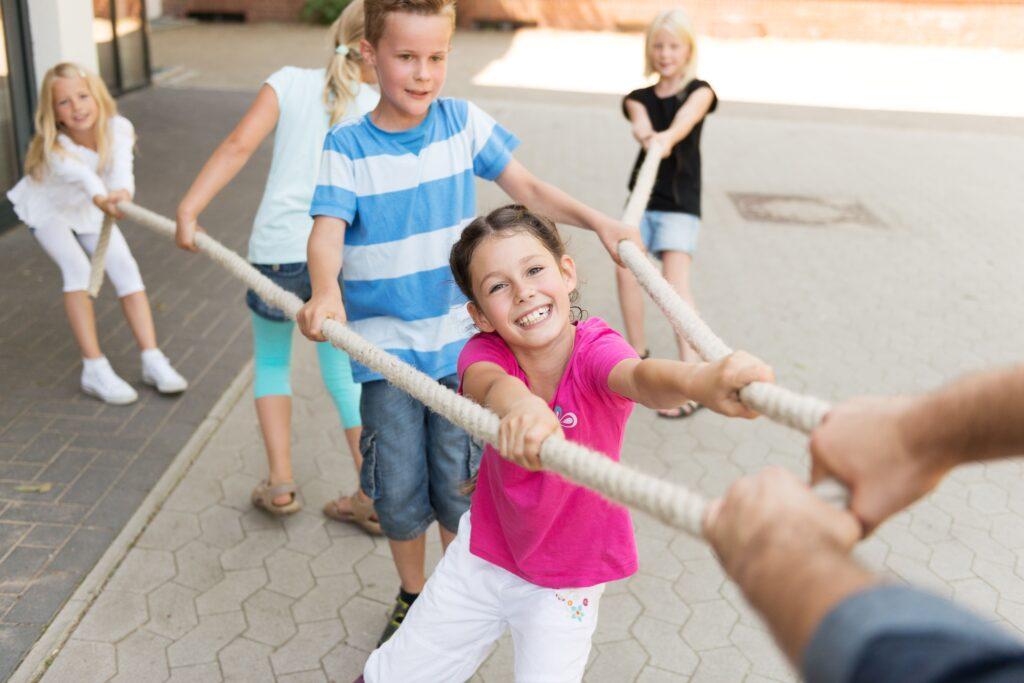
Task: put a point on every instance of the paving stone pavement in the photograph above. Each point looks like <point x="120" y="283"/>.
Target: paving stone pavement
<point x="101" y="461"/>
<point x="214" y="590"/>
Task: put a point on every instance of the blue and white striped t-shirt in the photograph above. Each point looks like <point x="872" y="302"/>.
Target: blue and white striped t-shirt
<point x="406" y="197"/>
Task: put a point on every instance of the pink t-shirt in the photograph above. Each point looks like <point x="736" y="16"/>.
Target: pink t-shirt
<point x="537" y="525"/>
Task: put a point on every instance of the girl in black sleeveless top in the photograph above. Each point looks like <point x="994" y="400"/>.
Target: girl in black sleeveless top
<point x="671" y="113"/>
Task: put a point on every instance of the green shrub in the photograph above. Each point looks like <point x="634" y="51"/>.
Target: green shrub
<point x="324" y="11"/>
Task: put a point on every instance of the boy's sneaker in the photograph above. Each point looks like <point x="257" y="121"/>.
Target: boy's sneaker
<point x="395" y="620"/>
<point x="157" y="371"/>
<point x="100" y="380"/>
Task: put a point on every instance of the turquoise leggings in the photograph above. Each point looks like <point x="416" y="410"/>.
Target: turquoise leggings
<point x="272" y="347"/>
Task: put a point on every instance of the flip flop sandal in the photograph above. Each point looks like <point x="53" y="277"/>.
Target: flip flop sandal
<point x="361" y="514"/>
<point x="264" y="494"/>
<point x="683" y="411"/>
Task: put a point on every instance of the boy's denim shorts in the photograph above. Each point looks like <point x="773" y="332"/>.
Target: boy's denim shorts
<point x="293" y="277"/>
<point x="669" y="231"/>
<point x="414" y="461"/>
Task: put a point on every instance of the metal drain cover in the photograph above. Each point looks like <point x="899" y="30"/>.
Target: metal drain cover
<point x="801" y="210"/>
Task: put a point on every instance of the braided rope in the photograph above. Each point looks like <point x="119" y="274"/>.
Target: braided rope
<point x="777" y="403"/>
<point x="670" y="503"/>
<point x="99" y="257"/>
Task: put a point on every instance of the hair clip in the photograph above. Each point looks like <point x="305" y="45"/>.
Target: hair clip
<point x="341" y="50"/>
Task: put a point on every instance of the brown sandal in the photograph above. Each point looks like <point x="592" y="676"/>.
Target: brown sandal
<point x="264" y="494"/>
<point x="361" y="513"/>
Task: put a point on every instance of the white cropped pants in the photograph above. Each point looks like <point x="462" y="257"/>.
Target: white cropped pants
<point x="71" y="252"/>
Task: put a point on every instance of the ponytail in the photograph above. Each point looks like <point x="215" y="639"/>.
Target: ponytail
<point x="344" y="68"/>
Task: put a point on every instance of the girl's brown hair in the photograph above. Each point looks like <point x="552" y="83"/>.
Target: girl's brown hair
<point x="503" y="222"/>
<point x="45" y="141"/>
<point x="377" y="12"/>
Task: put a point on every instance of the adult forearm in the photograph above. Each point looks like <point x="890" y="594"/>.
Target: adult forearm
<point x="794" y="590"/>
<point x="980" y="417"/>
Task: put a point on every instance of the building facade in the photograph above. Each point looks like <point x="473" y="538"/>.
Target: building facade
<point x="105" y="36"/>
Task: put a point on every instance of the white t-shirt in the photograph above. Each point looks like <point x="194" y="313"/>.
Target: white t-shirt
<point x="283" y="223"/>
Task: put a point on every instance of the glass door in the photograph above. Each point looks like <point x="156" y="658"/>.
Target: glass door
<point x="122" y="45"/>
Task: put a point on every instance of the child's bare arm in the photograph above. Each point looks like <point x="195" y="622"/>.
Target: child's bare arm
<point x="324" y="256"/>
<point x="642" y="128"/>
<point x="526" y="420"/>
<point x="224" y="164"/>
<point x="688" y="116"/>
<point x="529" y="190"/>
<point x="658" y="383"/>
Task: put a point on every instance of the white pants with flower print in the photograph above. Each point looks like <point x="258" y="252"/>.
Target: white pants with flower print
<point x="466" y="606"/>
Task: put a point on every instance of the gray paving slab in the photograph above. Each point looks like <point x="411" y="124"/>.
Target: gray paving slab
<point x="844" y="308"/>
<point x="101" y="461"/>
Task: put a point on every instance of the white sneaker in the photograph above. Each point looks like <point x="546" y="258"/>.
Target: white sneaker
<point x="157" y="371"/>
<point x="100" y="380"/>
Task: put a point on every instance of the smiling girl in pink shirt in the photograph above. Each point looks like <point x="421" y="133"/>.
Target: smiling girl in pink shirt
<point x="540" y="549"/>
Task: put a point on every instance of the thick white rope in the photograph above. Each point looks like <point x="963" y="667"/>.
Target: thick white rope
<point x="672" y="504"/>
<point x="771" y="400"/>
<point x="99" y="257"/>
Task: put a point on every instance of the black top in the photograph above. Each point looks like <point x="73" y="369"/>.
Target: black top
<point x="677" y="187"/>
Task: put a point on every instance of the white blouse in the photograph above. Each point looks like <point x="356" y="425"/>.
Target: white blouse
<point x="63" y="198"/>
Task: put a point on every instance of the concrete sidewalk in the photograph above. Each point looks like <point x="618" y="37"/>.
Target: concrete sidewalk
<point x="855" y="254"/>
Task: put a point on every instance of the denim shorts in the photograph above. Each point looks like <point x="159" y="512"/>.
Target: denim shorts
<point x="414" y="461"/>
<point x="293" y="277"/>
<point x="669" y="231"/>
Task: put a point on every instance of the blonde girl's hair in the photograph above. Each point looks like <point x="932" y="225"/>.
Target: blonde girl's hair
<point x="343" y="69"/>
<point x="45" y="141"/>
<point x="678" y="23"/>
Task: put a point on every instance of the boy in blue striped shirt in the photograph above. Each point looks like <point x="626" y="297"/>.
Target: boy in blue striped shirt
<point x="396" y="188"/>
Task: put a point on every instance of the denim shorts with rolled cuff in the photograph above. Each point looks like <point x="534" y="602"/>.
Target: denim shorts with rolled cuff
<point x="414" y="461"/>
<point x="669" y="231"/>
<point x="293" y="277"/>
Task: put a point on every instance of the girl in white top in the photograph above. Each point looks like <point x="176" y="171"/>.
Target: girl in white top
<point x="78" y="167"/>
<point x="298" y="106"/>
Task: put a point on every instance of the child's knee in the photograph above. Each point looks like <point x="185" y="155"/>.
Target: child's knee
<point x="75" y="274"/>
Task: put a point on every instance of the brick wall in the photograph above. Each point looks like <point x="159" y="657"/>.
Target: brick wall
<point x="985" y="23"/>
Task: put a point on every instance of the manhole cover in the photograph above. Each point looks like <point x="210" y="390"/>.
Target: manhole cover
<point x="801" y="210"/>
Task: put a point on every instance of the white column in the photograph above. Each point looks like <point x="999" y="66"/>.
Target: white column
<point x="61" y="31"/>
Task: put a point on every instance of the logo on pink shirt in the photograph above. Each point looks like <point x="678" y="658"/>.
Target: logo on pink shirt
<point x="568" y="420"/>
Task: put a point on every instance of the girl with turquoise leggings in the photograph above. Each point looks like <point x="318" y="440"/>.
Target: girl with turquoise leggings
<point x="298" y="106"/>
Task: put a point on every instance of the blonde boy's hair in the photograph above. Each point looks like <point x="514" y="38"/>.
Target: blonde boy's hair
<point x="343" y="70"/>
<point x="678" y="23"/>
<point x="45" y="140"/>
<point x="377" y="12"/>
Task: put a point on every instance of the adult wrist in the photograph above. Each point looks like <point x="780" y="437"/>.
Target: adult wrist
<point x="923" y="442"/>
<point x="794" y="582"/>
